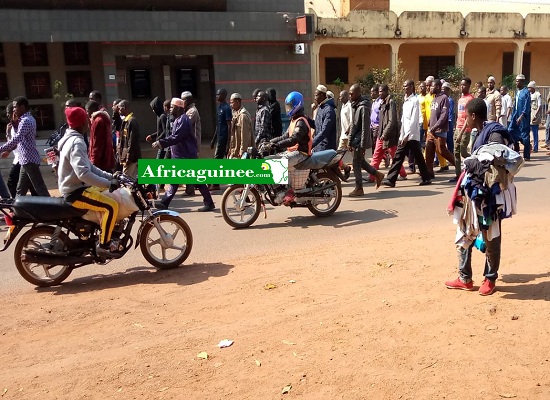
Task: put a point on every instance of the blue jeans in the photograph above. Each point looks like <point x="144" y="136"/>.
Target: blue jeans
<point x="535" y="131"/>
<point x="492" y="259"/>
<point x="548" y="129"/>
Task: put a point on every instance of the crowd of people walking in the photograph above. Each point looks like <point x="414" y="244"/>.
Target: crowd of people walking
<point x="428" y="130"/>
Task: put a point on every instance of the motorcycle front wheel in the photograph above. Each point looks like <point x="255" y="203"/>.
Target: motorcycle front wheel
<point x="174" y="249"/>
<point x="236" y="216"/>
<point x="333" y="196"/>
<point x="39" y="274"/>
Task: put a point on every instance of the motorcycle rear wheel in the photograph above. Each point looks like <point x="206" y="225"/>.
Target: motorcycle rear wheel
<point x="240" y="218"/>
<point x="326" y="209"/>
<point x="40" y="274"/>
<point x="156" y="253"/>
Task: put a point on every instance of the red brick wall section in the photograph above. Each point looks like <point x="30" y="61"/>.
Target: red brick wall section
<point x="378" y="5"/>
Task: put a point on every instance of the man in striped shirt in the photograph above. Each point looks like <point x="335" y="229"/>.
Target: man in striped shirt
<point x="24" y="141"/>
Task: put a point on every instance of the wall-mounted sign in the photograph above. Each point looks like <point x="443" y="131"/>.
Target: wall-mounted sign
<point x="299" y="48"/>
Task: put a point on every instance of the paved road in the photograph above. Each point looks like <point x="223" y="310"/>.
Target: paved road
<point x="414" y="208"/>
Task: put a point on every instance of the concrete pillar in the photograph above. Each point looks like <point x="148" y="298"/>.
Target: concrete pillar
<point x="168" y="83"/>
<point x="518" y="57"/>
<point x="394" y="56"/>
<point x="110" y="76"/>
<point x="460" y="51"/>
<point x="315" y="51"/>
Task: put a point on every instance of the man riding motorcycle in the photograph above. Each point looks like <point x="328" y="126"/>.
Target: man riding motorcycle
<point x="297" y="140"/>
<point x="81" y="183"/>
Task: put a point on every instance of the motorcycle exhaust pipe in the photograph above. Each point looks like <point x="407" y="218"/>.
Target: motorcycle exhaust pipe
<point x="55" y="260"/>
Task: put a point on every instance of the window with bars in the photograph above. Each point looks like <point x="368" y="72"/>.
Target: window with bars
<point x="336" y="68"/>
<point x="4" y="92"/>
<point x="433" y="65"/>
<point x="34" y="54"/>
<point x="44" y="116"/>
<point x="79" y="83"/>
<point x="76" y="53"/>
<point x="37" y="85"/>
<point x="2" y="59"/>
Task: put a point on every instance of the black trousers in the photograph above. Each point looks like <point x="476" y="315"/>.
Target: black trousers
<point x="412" y="146"/>
<point x="359" y="163"/>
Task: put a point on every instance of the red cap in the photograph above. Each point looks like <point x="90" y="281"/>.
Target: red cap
<point x="76" y="116"/>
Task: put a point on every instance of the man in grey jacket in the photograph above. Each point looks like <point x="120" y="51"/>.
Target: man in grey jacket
<point x="81" y="183"/>
<point x="360" y="139"/>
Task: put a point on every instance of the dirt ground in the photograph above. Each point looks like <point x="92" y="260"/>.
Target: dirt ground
<point x="364" y="318"/>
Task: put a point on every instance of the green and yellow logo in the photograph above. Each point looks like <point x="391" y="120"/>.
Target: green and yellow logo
<point x="213" y="171"/>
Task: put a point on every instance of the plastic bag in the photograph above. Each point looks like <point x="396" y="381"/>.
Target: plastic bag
<point x="126" y="205"/>
<point x="479" y="243"/>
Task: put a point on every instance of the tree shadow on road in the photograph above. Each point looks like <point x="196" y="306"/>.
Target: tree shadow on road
<point x="184" y="275"/>
<point x="340" y="219"/>
<point x="530" y="291"/>
<point x="523" y="278"/>
<point x="391" y="193"/>
<point x="527" y="178"/>
<point x="524" y="290"/>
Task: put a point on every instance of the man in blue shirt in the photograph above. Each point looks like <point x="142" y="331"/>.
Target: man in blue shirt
<point x="223" y="123"/>
<point x="223" y="127"/>
<point x="447" y="90"/>
<point x="521" y="118"/>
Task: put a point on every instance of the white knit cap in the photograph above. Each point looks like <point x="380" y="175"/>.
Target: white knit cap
<point x="322" y="88"/>
<point x="236" y="96"/>
<point x="532" y="84"/>
<point x="520" y="76"/>
<point x="491" y="79"/>
<point x="177" y="102"/>
<point x="330" y="95"/>
<point x="186" y="95"/>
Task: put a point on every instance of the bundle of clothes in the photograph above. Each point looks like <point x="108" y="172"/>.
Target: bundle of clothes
<point x="485" y="193"/>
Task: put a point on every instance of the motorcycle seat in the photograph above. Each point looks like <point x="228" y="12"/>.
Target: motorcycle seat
<point x="317" y="160"/>
<point x="44" y="208"/>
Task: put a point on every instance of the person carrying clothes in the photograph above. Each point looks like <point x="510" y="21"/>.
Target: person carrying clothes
<point x="360" y="139"/>
<point x="325" y="137"/>
<point x="183" y="144"/>
<point x="81" y="183"/>
<point x="275" y="110"/>
<point x="297" y="141"/>
<point x="494" y="133"/>
<point x="521" y="118"/>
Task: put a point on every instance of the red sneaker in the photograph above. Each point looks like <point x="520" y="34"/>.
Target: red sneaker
<point x="487" y="287"/>
<point x="458" y="284"/>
